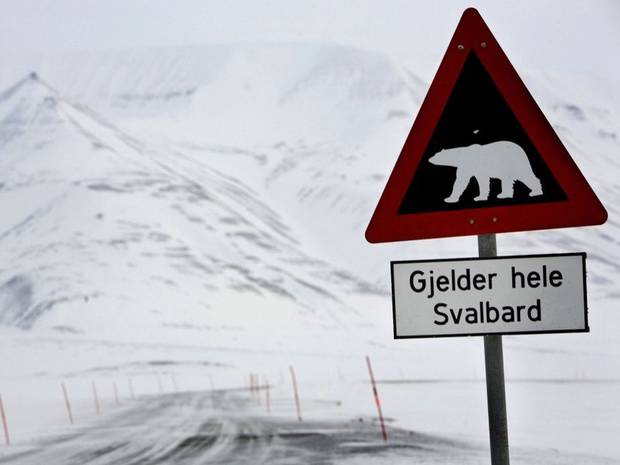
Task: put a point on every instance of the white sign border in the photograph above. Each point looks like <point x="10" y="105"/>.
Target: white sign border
<point x="583" y="256"/>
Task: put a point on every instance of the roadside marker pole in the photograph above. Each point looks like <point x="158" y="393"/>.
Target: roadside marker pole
<point x="159" y="385"/>
<point x="211" y="383"/>
<point x="267" y="396"/>
<point x="4" y="423"/>
<point x="115" y="393"/>
<point x="494" y="367"/>
<point x="297" y="405"/>
<point x="377" y="401"/>
<point x="174" y="383"/>
<point x="130" y="382"/>
<point x="257" y="380"/>
<point x="96" y="399"/>
<point x="67" y="403"/>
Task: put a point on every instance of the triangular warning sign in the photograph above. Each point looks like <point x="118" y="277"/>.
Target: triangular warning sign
<point x="481" y="157"/>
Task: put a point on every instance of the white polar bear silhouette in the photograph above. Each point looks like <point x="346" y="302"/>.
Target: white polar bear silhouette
<point x="501" y="160"/>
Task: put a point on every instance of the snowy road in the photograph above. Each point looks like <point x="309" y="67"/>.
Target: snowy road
<point x="225" y="427"/>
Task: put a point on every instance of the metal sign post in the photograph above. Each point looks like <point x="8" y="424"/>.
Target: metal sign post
<point x="494" y="367"/>
<point x="480" y="159"/>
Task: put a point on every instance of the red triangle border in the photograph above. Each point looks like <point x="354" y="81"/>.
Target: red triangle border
<point x="582" y="207"/>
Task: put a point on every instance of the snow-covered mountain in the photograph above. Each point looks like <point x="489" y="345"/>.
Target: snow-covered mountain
<point x="96" y="219"/>
<point x="157" y="185"/>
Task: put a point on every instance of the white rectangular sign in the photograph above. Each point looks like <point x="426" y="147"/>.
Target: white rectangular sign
<point x="498" y="295"/>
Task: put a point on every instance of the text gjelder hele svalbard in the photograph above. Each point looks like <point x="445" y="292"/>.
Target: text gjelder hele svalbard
<point x="432" y="286"/>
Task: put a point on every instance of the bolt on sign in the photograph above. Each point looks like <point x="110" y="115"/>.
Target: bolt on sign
<point x="500" y="295"/>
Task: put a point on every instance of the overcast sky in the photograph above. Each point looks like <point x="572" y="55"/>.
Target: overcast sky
<point x="559" y="35"/>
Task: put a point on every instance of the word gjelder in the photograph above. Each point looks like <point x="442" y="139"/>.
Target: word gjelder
<point x="419" y="281"/>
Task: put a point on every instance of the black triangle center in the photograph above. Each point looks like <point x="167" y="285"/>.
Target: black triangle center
<point x="481" y="155"/>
